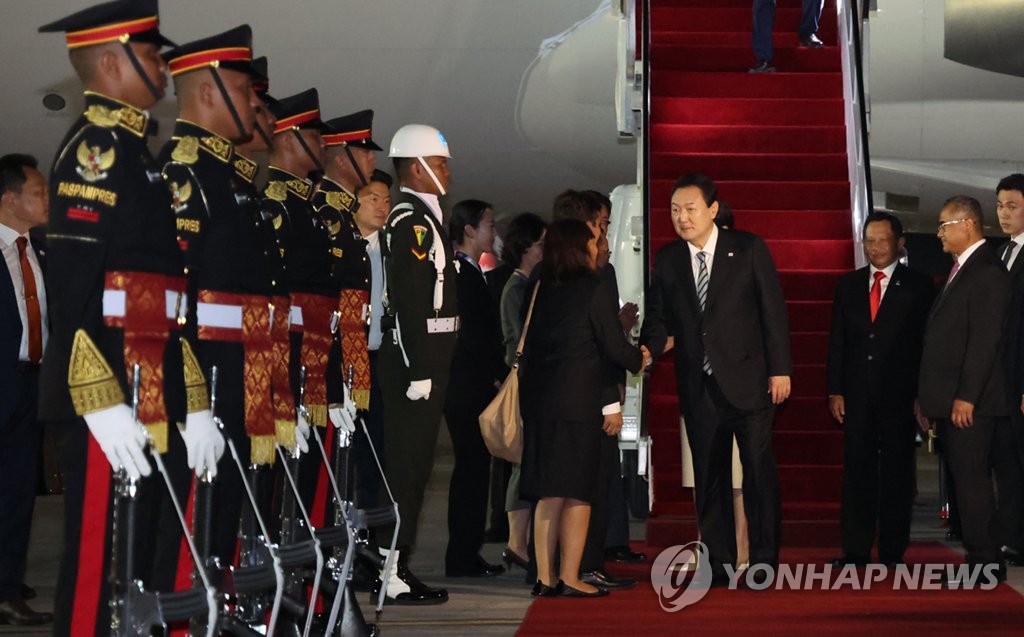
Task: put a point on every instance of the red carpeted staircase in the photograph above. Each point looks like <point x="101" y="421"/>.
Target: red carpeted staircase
<point x="776" y="146"/>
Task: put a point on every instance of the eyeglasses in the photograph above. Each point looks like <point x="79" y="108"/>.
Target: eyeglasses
<point x="953" y="222"/>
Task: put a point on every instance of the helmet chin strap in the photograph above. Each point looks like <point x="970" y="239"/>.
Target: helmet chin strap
<point x="352" y="159"/>
<point x="242" y="133"/>
<point x="430" y="171"/>
<point x="262" y="133"/>
<point x="305" y="147"/>
<point x="130" y="52"/>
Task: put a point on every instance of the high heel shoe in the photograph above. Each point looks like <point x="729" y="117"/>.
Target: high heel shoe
<point x="569" y="591"/>
<point x="511" y="558"/>
<point x="540" y="589"/>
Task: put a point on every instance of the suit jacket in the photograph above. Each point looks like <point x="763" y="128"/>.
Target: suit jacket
<point x="744" y="329"/>
<point x="574" y="325"/>
<point x="961" y="358"/>
<point x="878" y="361"/>
<point x="1013" y="350"/>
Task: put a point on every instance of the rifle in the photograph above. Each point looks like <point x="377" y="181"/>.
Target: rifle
<point x="134" y="611"/>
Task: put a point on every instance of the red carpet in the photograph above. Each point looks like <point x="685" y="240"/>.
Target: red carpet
<point x="878" y="611"/>
<point x="776" y="145"/>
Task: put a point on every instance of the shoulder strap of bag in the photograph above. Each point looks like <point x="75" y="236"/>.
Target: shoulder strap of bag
<point x="526" y="325"/>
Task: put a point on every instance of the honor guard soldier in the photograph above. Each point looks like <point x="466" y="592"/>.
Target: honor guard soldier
<point x="298" y="151"/>
<point x="349" y="160"/>
<point x="419" y="339"/>
<point x="230" y="274"/>
<point x="116" y="282"/>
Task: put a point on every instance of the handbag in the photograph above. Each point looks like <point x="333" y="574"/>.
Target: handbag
<point x="501" y="423"/>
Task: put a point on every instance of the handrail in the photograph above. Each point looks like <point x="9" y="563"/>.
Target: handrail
<point x="645" y="138"/>
<point x="857" y="118"/>
<point x="625" y="74"/>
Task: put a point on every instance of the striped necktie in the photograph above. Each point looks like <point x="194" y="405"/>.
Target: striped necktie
<point x="702" y="295"/>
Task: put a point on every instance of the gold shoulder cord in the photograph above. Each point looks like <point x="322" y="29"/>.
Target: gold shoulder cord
<point x="196" y="396"/>
<point x="90" y="379"/>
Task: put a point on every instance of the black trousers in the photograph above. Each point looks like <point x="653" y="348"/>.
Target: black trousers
<point x="468" y="489"/>
<point x="878" y="482"/>
<point x="711" y="422"/>
<point x="764" y="21"/>
<point x="20" y="439"/>
<point x="1008" y="467"/>
<point x="410" y="436"/>
<point x="968" y="452"/>
<point x="367" y="476"/>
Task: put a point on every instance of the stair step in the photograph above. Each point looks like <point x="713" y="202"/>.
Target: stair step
<point x="750" y="111"/>
<point x="724" y="57"/>
<point x="768" y="195"/>
<point x="809" y="347"/>
<point x="797" y="483"/>
<point x="826" y="254"/>
<point x="809" y="380"/>
<point x="809" y="285"/>
<point x="812" y="524"/>
<point x="770" y="224"/>
<point x="735" y="139"/>
<point x="809" y="316"/>
<point x="751" y="166"/>
<point x="768" y="85"/>
<point x="808" y="447"/>
<point x="787" y="40"/>
<point x="804" y="413"/>
<point x="729" y="19"/>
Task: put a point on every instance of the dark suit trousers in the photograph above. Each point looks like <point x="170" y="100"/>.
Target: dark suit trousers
<point x="878" y="482"/>
<point x="968" y="452"/>
<point x="1008" y="467"/>
<point x="764" y="21"/>
<point x="711" y="425"/>
<point x="20" y="438"/>
<point x="367" y="476"/>
<point x="468" y="489"/>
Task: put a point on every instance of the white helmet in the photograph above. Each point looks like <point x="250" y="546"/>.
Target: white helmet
<point x="418" y="140"/>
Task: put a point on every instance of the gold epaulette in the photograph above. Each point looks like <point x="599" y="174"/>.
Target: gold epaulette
<point x="196" y="396"/>
<point x="186" y="150"/>
<point x="90" y="378"/>
<point x="261" y="450"/>
<point x="126" y="117"/>
<point x="339" y="200"/>
<point x="276" y="190"/>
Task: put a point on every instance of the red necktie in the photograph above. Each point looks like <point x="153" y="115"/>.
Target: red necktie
<point x="876" y="294"/>
<point x="35" y="326"/>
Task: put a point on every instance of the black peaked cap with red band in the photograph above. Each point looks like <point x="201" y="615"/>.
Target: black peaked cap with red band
<point x="135" y="20"/>
<point x="355" y="129"/>
<point x="261" y="80"/>
<point x="230" y="50"/>
<point x="299" y="111"/>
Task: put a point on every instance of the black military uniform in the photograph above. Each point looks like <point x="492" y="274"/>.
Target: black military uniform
<point x="230" y="282"/>
<point x="116" y="282"/>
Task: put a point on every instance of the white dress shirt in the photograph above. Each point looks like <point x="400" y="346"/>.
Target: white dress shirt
<point x="887" y="270"/>
<point x="9" y="247"/>
<point x="431" y="200"/>
<point x="708" y="250"/>
<point x="376" y="291"/>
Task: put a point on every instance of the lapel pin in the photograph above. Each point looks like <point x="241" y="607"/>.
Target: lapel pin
<point x="897" y="283"/>
<point x="729" y="255"/>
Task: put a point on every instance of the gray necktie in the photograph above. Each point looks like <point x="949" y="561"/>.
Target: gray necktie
<point x="1008" y="253"/>
<point x="702" y="294"/>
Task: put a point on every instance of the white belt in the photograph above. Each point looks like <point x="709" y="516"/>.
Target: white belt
<point x="442" y="325"/>
<point x="115" y="303"/>
<point x="296" y="315"/>
<point x="223" y="315"/>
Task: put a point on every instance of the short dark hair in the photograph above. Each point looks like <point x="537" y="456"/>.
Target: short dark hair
<point x="382" y="177"/>
<point x="523" y="231"/>
<point x="705" y="183"/>
<point x="968" y="206"/>
<point x="566" y="255"/>
<point x="466" y="212"/>
<point x="576" y="204"/>
<point x="1012" y="182"/>
<point x="725" y="218"/>
<point x="12" y="171"/>
<point x="601" y="198"/>
<point x="878" y="215"/>
<point x="401" y="164"/>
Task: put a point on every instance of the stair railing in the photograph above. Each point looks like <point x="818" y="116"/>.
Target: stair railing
<point x="853" y="24"/>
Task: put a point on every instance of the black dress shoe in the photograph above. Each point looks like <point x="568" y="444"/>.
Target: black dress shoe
<point x="511" y="558"/>
<point x="479" y="568"/>
<point x="811" y="42"/>
<point x="953" y="535"/>
<point x="601" y="579"/>
<point x="1012" y="557"/>
<point x="968" y="578"/>
<point x="623" y="554"/>
<point x="569" y="591"/>
<point x="762" y="67"/>
<point x="27" y="592"/>
<point x="850" y="560"/>
<point x="540" y="589"/>
<point x="419" y="594"/>
<point x="17" y="612"/>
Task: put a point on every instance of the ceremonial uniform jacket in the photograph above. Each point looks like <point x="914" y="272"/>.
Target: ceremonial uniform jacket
<point x="414" y="245"/>
<point x="114" y="274"/>
<point x="335" y="207"/>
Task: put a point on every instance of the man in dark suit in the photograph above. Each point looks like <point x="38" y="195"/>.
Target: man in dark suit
<point x="764" y="20"/>
<point x="962" y="386"/>
<point x="24" y="204"/>
<point x="874" y="352"/>
<point x="1008" y="445"/>
<point x="718" y="293"/>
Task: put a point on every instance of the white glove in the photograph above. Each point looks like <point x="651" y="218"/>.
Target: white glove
<point x="418" y="389"/>
<point x="203" y="441"/>
<point x="341" y="418"/>
<point x="302" y="432"/>
<point x="122" y="440"/>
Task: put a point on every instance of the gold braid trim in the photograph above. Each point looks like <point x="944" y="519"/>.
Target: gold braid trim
<point x="262" y="450"/>
<point x="158" y="435"/>
<point x="285" y="433"/>
<point x="317" y="415"/>
<point x="197" y="397"/>
<point x="91" y="381"/>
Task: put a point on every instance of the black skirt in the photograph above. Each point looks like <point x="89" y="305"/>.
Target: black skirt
<point x="561" y="459"/>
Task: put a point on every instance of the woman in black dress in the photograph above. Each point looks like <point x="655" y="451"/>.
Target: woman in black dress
<point x="574" y="326"/>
